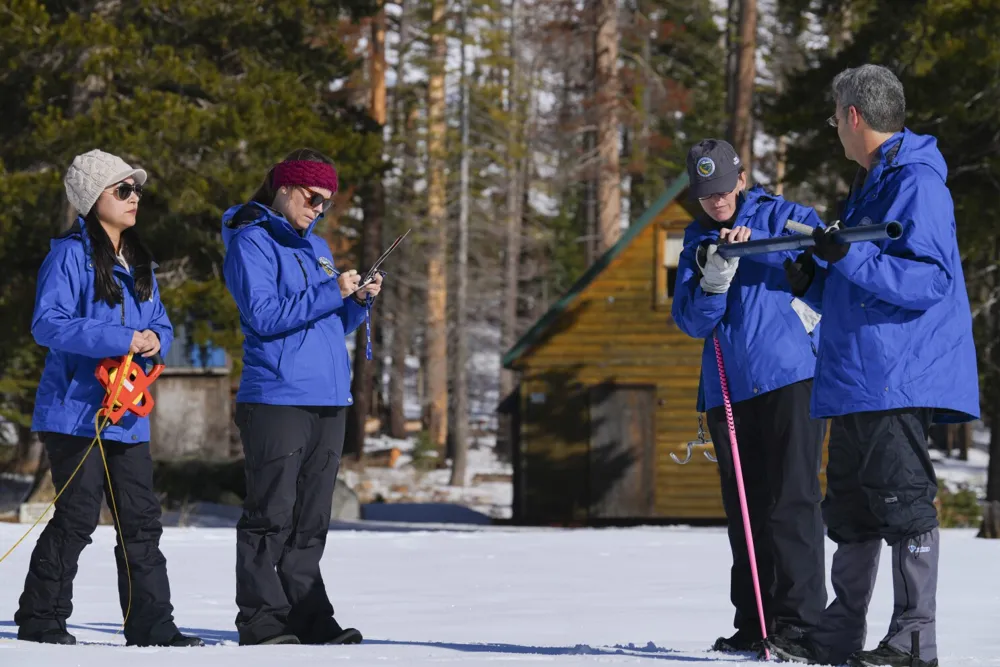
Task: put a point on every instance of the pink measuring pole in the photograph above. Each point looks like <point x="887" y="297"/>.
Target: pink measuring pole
<point x="743" y="494"/>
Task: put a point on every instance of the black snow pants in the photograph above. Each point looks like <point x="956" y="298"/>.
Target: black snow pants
<point x="292" y="457"/>
<point x="881" y="487"/>
<point x="46" y="602"/>
<point x="780" y="453"/>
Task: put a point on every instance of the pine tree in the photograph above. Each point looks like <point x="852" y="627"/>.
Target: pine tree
<point x="210" y="95"/>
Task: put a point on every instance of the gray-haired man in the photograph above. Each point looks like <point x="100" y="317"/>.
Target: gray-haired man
<point x="896" y="355"/>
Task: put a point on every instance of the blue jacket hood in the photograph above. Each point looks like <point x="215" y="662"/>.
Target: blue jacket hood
<point x="917" y="149"/>
<point x="241" y="216"/>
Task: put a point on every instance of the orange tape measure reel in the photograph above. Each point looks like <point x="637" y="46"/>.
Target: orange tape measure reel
<point x="134" y="396"/>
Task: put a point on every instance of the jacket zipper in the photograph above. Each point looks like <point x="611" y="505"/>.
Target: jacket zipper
<point x="302" y="266"/>
<point x="318" y="329"/>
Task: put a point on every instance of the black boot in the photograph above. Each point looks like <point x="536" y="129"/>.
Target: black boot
<point x="53" y="636"/>
<point x="177" y="641"/>
<point x="180" y="640"/>
<point x="793" y="649"/>
<point x="741" y="642"/>
<point x="286" y="638"/>
<point x="885" y="654"/>
<point x="348" y="636"/>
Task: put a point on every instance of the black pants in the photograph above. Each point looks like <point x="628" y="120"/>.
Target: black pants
<point x="46" y="602"/>
<point x="880" y="480"/>
<point x="881" y="486"/>
<point x="292" y="458"/>
<point x="780" y="454"/>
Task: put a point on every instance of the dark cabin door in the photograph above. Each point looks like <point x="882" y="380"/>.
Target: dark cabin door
<point x="622" y="451"/>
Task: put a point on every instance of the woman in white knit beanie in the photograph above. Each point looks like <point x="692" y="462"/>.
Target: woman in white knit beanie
<point x="97" y="298"/>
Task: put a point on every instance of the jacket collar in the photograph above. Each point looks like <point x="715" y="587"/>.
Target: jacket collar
<point x="869" y="181"/>
<point x="279" y="225"/>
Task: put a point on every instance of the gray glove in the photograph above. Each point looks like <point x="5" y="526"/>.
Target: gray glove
<point x="716" y="273"/>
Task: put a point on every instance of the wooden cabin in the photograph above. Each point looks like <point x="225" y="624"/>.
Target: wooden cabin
<point x="608" y="389"/>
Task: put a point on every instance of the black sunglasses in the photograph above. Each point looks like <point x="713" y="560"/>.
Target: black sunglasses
<point x="125" y="190"/>
<point x="315" y="199"/>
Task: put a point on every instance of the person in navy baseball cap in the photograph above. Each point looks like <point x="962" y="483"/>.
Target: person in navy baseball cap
<point x="768" y="340"/>
<point x="713" y="167"/>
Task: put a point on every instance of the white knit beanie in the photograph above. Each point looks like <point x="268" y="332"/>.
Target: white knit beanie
<point x="93" y="171"/>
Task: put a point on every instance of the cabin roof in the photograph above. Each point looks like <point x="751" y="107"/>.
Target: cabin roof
<point x="538" y="329"/>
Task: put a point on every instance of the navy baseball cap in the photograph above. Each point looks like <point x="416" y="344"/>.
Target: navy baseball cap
<point x="713" y="167"/>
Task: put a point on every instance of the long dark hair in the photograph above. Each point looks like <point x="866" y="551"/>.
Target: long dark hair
<point x="266" y="193"/>
<point x="106" y="288"/>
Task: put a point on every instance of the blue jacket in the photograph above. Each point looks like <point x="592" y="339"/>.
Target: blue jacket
<point x="765" y="345"/>
<point x="898" y="330"/>
<point x="79" y="333"/>
<point x="294" y="321"/>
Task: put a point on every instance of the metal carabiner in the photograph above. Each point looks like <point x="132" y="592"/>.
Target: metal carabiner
<point x="690" y="447"/>
<point x="700" y="442"/>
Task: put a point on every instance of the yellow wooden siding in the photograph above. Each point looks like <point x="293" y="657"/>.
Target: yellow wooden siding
<point x="617" y="330"/>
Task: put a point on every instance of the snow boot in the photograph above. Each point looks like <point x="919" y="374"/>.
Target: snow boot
<point x="178" y="641"/>
<point x="348" y="636"/>
<point x="792" y="649"/>
<point x="741" y="642"/>
<point x="885" y="654"/>
<point x="280" y="639"/>
<point x="53" y="636"/>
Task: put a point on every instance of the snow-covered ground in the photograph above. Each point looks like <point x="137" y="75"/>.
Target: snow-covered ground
<point x="498" y="595"/>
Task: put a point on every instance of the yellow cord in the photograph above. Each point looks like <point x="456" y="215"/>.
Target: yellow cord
<point x="114" y="509"/>
<point x="118" y="524"/>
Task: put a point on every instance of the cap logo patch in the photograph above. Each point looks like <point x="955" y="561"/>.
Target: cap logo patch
<point x="705" y="167"/>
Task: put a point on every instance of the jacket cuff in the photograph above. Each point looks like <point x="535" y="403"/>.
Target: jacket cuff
<point x="858" y="254"/>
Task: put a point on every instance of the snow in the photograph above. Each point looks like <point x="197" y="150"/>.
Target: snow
<point x="520" y="596"/>
<point x="958" y="474"/>
<point x="402" y="483"/>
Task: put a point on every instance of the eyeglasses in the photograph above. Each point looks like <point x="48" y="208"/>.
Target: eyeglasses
<point x="832" y="121"/>
<point x="124" y="190"/>
<point x="315" y="199"/>
<point x="718" y="195"/>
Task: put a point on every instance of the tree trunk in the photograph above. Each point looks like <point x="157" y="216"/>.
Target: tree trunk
<point x="512" y="254"/>
<point x="609" y="176"/>
<point x="403" y="316"/>
<point x="964" y="441"/>
<point x="732" y="60"/>
<point x="437" y="252"/>
<point x="364" y="369"/>
<point x="781" y="165"/>
<point x="404" y="130"/>
<point x="638" y="202"/>
<point x="991" y="510"/>
<point x="460" y="436"/>
<point x="741" y="121"/>
<point x="28" y="457"/>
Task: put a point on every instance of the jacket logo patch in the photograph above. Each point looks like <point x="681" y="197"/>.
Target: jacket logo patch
<point x="327" y="266"/>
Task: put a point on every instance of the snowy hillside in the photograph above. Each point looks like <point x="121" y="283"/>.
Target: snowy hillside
<point x="586" y="597"/>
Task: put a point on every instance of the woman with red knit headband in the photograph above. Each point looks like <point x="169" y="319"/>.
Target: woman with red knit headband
<point x="296" y="311"/>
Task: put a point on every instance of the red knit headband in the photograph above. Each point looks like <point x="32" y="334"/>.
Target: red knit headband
<point x="304" y="172"/>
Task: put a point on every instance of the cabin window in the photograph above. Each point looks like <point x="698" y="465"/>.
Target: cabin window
<point x="668" y="251"/>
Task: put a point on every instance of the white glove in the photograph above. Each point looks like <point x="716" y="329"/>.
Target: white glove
<point x="716" y="272"/>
